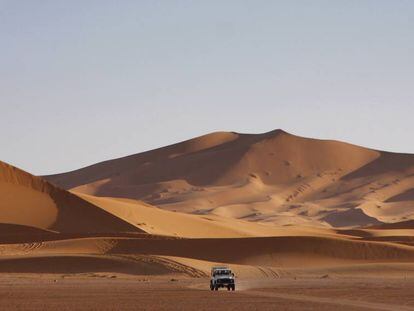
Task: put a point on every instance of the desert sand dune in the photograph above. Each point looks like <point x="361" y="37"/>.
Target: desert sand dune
<point x="29" y="201"/>
<point x="161" y="222"/>
<point x="190" y="256"/>
<point x="273" y="251"/>
<point x="268" y="205"/>
<point x="275" y="157"/>
<point x="273" y="177"/>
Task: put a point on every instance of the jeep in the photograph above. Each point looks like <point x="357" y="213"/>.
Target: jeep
<point x="222" y="277"/>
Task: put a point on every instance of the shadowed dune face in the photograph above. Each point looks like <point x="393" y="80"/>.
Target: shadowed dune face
<point x="271" y="251"/>
<point x="30" y="201"/>
<point x="407" y="195"/>
<point x="13" y="229"/>
<point x="143" y="164"/>
<point x="273" y="177"/>
<point x="350" y="217"/>
<point x="144" y="255"/>
<point x="80" y="264"/>
<point x="409" y="224"/>
<point x="387" y="162"/>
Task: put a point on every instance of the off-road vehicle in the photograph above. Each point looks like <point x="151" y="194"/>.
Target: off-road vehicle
<point x="222" y="277"/>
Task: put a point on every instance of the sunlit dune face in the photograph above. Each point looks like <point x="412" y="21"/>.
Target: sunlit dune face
<point x="25" y="206"/>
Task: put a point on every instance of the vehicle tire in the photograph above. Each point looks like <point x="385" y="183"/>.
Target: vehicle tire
<point x="233" y="287"/>
<point x="228" y="287"/>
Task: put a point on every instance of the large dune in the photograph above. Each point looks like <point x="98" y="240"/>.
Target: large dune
<point x="273" y="177"/>
<point x="267" y="205"/>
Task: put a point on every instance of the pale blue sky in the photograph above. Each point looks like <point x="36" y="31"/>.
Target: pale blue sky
<point x="86" y="81"/>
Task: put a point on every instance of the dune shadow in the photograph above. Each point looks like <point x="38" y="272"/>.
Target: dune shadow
<point x="79" y="264"/>
<point x="385" y="163"/>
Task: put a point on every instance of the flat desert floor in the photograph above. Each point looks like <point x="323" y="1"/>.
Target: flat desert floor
<point x="104" y="291"/>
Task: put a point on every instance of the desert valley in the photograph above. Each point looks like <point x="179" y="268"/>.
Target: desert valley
<point x="304" y="223"/>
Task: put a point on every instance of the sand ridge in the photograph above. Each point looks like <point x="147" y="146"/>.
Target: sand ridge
<point x="31" y="201"/>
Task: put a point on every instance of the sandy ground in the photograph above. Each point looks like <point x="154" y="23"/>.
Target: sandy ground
<point x="121" y="292"/>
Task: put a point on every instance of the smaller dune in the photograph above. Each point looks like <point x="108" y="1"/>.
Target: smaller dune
<point x="300" y="251"/>
<point x="131" y="255"/>
<point x="30" y="201"/>
<point x="156" y="221"/>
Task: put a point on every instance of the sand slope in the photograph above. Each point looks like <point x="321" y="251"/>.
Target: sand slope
<point x="156" y="221"/>
<point x="273" y="177"/>
<point x="31" y="202"/>
<point x="258" y="257"/>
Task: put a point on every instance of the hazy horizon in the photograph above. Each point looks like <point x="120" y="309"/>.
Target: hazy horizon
<point x="87" y="81"/>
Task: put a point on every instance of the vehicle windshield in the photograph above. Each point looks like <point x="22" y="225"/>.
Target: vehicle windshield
<point x="222" y="272"/>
